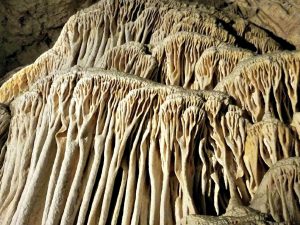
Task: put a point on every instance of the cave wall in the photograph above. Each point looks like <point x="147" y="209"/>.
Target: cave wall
<point x="29" y="28"/>
<point x="281" y="17"/>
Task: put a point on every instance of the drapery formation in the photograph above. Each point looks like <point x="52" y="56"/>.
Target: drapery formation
<point x="98" y="133"/>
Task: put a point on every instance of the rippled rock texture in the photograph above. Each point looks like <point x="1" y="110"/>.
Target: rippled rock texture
<point x="279" y="16"/>
<point x="153" y="112"/>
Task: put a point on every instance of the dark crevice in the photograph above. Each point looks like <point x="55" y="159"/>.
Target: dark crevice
<point x="96" y="184"/>
<point x="240" y="41"/>
<point x="115" y="194"/>
<point x="47" y="40"/>
<point x="22" y="21"/>
<point x="283" y="43"/>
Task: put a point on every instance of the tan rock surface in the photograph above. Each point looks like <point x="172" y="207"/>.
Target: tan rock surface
<point x="280" y="17"/>
<point x="81" y="124"/>
<point x="260" y="84"/>
<point x="282" y="197"/>
<point x="92" y="32"/>
<point x="216" y="63"/>
<point x="148" y="112"/>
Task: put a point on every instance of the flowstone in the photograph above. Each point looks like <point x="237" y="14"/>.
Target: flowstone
<point x="153" y="112"/>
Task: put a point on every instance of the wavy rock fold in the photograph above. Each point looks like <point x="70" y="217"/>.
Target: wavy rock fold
<point x="153" y="112"/>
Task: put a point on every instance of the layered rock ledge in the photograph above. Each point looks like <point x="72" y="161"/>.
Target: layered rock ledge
<point x="153" y="112"/>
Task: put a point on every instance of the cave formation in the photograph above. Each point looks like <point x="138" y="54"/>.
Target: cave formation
<point x="153" y="112"/>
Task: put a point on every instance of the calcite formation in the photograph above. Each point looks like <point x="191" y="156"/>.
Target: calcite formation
<point x="216" y="63"/>
<point x="153" y="112"/>
<point x="261" y="83"/>
<point x="281" y="199"/>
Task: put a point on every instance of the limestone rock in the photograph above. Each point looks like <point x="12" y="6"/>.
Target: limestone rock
<point x="4" y="124"/>
<point x="256" y="36"/>
<point x="216" y="63"/>
<point x="267" y="142"/>
<point x="282" y="198"/>
<point x="27" y="29"/>
<point x="235" y="214"/>
<point x="255" y="82"/>
<point x="130" y="58"/>
<point x="88" y="119"/>
<point x="280" y="17"/>
<point x="148" y="112"/>
<point x="177" y="61"/>
<point x="92" y="32"/>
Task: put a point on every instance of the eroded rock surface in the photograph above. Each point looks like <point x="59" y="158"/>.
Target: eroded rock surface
<point x="282" y="197"/>
<point x="27" y="29"/>
<point x="149" y="112"/>
<point x="280" y="17"/>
